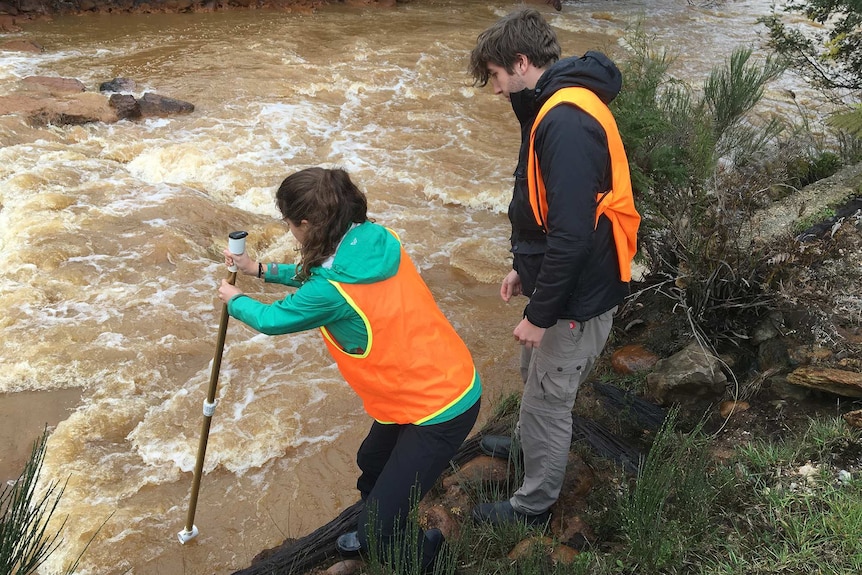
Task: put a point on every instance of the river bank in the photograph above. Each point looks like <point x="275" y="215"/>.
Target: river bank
<point x="13" y="15"/>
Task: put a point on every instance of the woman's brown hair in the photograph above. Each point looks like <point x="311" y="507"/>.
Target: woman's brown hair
<point x="330" y="202"/>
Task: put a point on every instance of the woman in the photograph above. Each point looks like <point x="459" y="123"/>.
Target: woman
<point x="391" y="342"/>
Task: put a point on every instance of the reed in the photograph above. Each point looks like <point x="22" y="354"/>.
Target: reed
<point x="25" y="542"/>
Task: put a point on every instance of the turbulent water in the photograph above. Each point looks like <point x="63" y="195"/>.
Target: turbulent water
<point x="111" y="238"/>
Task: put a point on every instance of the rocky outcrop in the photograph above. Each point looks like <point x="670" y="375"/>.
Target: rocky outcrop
<point x="831" y="380"/>
<point x="53" y="100"/>
<point x="780" y="218"/>
<point x="41" y="110"/>
<point x="60" y="101"/>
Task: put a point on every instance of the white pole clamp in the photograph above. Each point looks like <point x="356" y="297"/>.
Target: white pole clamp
<point x="209" y="408"/>
<point x="185" y="536"/>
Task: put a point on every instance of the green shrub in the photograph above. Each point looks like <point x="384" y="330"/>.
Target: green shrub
<point x="696" y="159"/>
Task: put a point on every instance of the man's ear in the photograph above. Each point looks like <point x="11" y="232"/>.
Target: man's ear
<point x="521" y="63"/>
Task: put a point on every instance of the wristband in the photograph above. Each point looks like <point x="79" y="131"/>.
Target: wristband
<point x="259" y="270"/>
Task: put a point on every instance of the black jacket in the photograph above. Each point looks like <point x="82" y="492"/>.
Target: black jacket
<point x="572" y="271"/>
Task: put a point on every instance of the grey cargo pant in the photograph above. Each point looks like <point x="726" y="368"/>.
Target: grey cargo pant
<point x="553" y="374"/>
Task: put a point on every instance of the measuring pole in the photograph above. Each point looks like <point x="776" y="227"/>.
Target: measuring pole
<point x="236" y="245"/>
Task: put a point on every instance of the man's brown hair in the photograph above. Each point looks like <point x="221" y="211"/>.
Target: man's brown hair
<point x="523" y="32"/>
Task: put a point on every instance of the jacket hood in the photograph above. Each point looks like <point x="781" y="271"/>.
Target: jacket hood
<point x="368" y="253"/>
<point x="593" y="71"/>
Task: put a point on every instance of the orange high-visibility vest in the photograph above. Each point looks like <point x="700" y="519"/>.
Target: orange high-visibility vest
<point x="617" y="203"/>
<point x="415" y="366"/>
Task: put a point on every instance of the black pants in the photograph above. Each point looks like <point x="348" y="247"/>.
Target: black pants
<point x="395" y="458"/>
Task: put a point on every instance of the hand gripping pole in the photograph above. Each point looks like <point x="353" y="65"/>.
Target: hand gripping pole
<point x="236" y="245"/>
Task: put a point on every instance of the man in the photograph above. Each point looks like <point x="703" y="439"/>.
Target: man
<point x="574" y="233"/>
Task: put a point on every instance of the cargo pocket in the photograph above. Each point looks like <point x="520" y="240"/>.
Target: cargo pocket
<point x="560" y="378"/>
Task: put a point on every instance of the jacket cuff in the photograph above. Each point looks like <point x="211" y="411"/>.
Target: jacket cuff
<point x="537" y="321"/>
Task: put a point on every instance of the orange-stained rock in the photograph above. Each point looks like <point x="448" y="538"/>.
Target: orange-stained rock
<point x="854" y="418"/>
<point x="438" y="517"/>
<point x="480" y="469"/>
<point x="573" y="528"/>
<point x="632" y="359"/>
<point x="728" y="407"/>
<point x="837" y="381"/>
<point x="530" y="546"/>
<point x="563" y="554"/>
<point x="579" y="476"/>
<point x="545" y="545"/>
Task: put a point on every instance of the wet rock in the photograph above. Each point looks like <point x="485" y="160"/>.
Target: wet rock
<point x="161" y="106"/>
<point x="53" y="85"/>
<point x="125" y="105"/>
<point x="72" y="109"/>
<point x="780" y="217"/>
<point x="691" y="375"/>
<point x="22" y="45"/>
<point x="118" y="85"/>
<point x="632" y="359"/>
<point x="837" y="381"/>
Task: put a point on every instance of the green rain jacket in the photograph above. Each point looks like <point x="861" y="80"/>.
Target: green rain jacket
<point x="368" y="253"/>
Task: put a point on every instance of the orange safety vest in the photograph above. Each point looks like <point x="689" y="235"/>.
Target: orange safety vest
<point x="415" y="365"/>
<point x="617" y="203"/>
